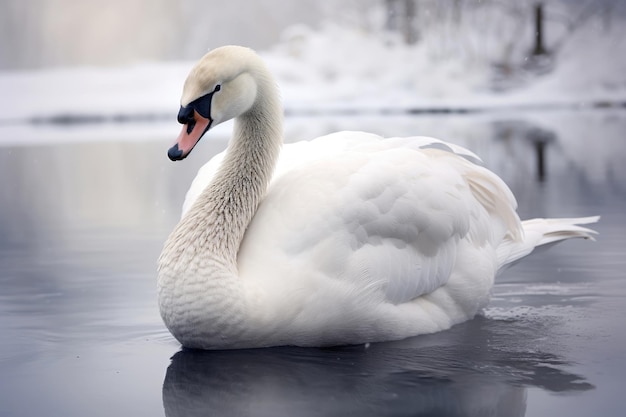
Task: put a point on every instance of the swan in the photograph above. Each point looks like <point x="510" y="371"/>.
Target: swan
<point x="347" y="239"/>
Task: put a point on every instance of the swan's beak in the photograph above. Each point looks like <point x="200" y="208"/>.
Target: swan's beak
<point x="189" y="136"/>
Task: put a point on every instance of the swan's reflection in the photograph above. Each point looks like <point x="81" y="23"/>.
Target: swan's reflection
<point x="464" y="371"/>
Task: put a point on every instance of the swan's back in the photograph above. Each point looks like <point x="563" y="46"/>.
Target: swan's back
<point x="404" y="230"/>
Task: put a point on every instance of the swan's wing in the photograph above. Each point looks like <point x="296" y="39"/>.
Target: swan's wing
<point x="380" y="216"/>
<point x="303" y="152"/>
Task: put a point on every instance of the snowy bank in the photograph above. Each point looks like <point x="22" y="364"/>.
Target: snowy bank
<point x="335" y="69"/>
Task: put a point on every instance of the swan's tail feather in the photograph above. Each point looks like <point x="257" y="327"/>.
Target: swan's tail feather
<point x="543" y="233"/>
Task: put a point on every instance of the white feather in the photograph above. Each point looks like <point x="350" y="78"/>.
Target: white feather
<point x="356" y="239"/>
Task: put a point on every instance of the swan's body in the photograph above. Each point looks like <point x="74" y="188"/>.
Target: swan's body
<point x="350" y="238"/>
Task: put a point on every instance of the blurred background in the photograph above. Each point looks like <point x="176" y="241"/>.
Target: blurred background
<point x="49" y="33"/>
<point x="45" y="33"/>
<point x="129" y="57"/>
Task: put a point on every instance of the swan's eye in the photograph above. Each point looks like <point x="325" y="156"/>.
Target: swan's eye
<point x="217" y="88"/>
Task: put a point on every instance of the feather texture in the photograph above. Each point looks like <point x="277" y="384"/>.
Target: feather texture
<point x="351" y="238"/>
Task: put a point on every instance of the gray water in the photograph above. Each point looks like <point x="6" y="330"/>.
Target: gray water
<point x="81" y="226"/>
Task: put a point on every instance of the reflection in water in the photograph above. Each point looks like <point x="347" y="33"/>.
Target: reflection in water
<point x="469" y="370"/>
<point x="538" y="137"/>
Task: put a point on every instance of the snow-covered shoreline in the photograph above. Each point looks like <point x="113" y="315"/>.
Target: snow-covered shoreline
<point x="327" y="72"/>
<point x="150" y="91"/>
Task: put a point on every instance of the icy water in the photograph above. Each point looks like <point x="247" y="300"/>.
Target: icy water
<point x="84" y="212"/>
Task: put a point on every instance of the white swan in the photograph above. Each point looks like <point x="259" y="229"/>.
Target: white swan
<point x="350" y="238"/>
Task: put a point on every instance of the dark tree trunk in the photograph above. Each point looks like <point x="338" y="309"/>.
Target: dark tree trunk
<point x="410" y="32"/>
<point x="539" y="48"/>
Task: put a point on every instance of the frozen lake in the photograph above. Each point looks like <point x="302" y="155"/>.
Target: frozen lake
<point x="84" y="211"/>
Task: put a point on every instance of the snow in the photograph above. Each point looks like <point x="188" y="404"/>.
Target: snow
<point x="335" y="69"/>
<point x="138" y="90"/>
<point x="344" y="68"/>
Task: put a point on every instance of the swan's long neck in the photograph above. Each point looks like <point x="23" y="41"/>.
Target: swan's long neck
<point x="228" y="204"/>
<point x="200" y="294"/>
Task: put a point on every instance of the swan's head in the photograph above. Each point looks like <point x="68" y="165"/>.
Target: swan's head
<point x="218" y="88"/>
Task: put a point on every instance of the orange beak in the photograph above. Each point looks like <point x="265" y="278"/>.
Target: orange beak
<point x="189" y="136"/>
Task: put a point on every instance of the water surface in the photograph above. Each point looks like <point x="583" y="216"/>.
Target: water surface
<point x="82" y="223"/>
